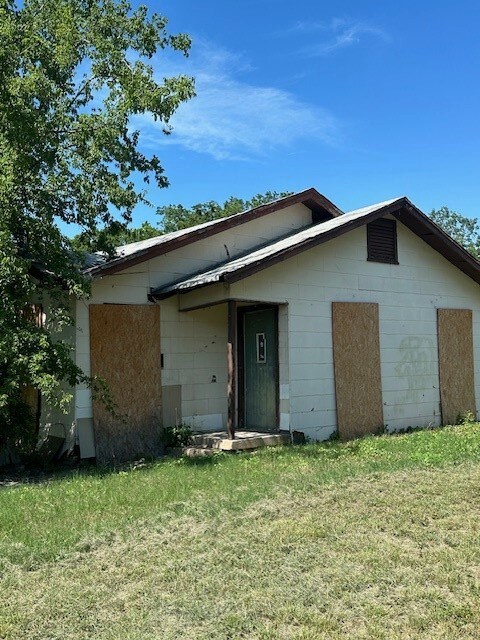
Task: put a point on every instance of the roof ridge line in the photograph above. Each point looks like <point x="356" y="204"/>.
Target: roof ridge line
<point x="311" y="198"/>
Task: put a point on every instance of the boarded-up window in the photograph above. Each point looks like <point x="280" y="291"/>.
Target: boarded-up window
<point x="125" y="351"/>
<point x="455" y="363"/>
<point x="356" y="354"/>
<point x="382" y="241"/>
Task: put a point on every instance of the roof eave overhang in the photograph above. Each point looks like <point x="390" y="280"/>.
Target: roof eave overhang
<point x="404" y="211"/>
<point x="435" y="237"/>
<point x="172" y="290"/>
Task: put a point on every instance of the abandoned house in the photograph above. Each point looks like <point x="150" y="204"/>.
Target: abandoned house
<point x="290" y="316"/>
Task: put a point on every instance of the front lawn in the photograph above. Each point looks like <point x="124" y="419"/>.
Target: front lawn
<point x="377" y="538"/>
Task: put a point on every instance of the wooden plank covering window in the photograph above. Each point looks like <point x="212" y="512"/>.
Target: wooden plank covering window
<point x="455" y="363"/>
<point x="125" y="351"/>
<point x="382" y="241"/>
<point x="356" y="355"/>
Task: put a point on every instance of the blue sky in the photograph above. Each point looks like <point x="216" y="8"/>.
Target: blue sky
<point x="364" y="101"/>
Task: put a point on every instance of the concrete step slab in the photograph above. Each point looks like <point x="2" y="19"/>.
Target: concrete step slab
<point x="244" y="440"/>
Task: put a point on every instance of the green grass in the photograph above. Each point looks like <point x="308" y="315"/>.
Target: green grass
<point x="377" y="538"/>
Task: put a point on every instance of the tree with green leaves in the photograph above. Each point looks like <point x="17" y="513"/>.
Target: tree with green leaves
<point x="176" y="216"/>
<point x="73" y="73"/>
<point x="466" y="231"/>
<point x="113" y="236"/>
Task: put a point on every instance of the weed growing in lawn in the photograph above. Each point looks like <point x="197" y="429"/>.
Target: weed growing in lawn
<point x="179" y="435"/>
<point x="466" y="418"/>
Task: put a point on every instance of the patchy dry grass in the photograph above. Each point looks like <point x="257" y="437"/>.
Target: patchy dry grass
<point x="373" y="539"/>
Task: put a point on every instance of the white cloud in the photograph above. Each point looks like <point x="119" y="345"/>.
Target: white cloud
<point x="233" y="119"/>
<point x="337" y="34"/>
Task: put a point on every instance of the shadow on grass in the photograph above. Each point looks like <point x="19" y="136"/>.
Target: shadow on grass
<point x="204" y="461"/>
<point x="14" y="476"/>
<point x="328" y="451"/>
<point x="20" y="475"/>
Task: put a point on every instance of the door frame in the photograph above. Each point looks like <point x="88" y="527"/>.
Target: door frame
<point x="241" y="312"/>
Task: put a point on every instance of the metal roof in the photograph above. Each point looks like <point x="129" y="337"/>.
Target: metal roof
<point x="402" y="208"/>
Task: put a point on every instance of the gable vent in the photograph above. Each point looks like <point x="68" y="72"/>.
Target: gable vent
<point x="382" y="241"/>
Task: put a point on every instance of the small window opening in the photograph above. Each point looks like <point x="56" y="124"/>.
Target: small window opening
<point x="382" y="241"/>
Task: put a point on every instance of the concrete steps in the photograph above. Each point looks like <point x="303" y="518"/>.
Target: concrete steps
<point x="205" y="444"/>
<point x="244" y="440"/>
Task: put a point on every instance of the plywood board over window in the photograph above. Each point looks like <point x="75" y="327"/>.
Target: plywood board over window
<point x="455" y="363"/>
<point x="356" y="354"/>
<point x="125" y="351"/>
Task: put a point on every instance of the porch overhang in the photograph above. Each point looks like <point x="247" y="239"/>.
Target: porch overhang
<point x="220" y="293"/>
<point x="204" y="297"/>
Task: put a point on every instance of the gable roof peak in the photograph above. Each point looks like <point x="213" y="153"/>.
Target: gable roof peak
<point x="137" y="252"/>
<point x="379" y="205"/>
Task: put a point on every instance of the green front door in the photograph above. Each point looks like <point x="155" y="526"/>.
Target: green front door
<point x="261" y="369"/>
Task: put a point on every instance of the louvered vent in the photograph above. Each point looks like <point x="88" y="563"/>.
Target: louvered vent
<point x="382" y="241"/>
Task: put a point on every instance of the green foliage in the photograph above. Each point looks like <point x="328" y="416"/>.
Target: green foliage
<point x="176" y="216"/>
<point x="179" y="435"/>
<point x="115" y="235"/>
<point x="466" y="231"/>
<point x="17" y="428"/>
<point x="72" y="75"/>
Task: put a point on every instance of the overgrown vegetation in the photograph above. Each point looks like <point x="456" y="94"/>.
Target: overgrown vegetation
<point x="376" y="538"/>
<point x="72" y="75"/>
<point x="179" y="435"/>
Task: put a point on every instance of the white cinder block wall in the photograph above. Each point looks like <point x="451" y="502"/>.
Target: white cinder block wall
<point x="194" y="345"/>
<point x="408" y="295"/>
